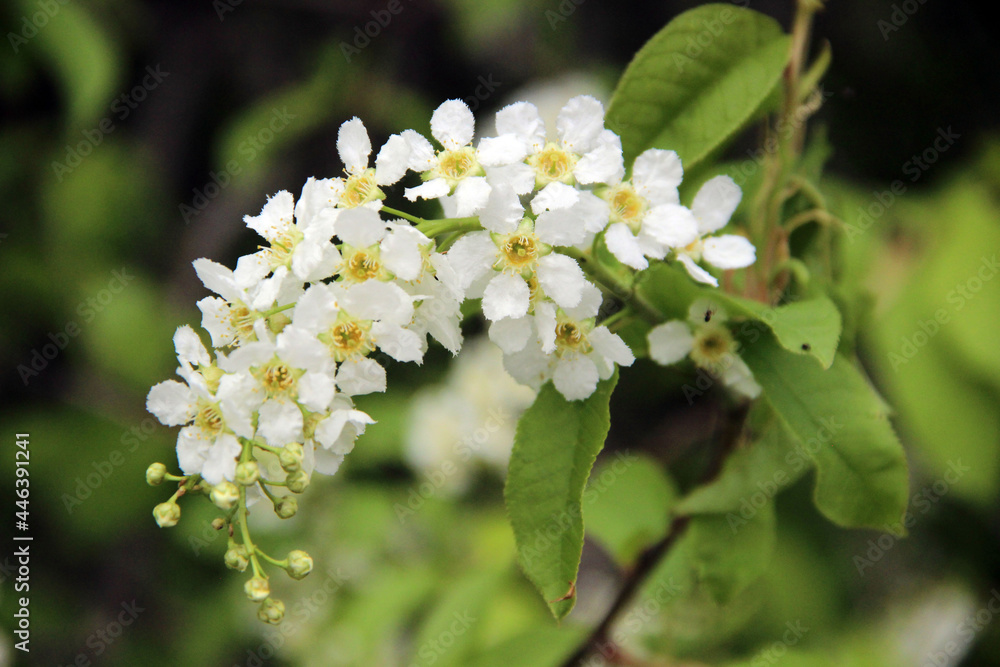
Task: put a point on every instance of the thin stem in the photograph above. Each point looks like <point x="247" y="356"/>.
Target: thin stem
<point x="273" y="561"/>
<point x="278" y="309"/>
<point x="434" y="228"/>
<point x="406" y="216"/>
<point x="614" y="284"/>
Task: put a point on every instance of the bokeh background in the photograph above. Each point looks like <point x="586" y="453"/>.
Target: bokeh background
<point x="137" y="134"/>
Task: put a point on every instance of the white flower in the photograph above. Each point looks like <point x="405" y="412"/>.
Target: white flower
<point x="585" y="153"/>
<point x="301" y="246"/>
<point x="336" y="433"/>
<point x="582" y="354"/>
<point x="708" y="342"/>
<point x="350" y="323"/>
<point x="517" y="264"/>
<point x="362" y="185"/>
<point x="457" y="169"/>
<point x="646" y="215"/>
<point x="714" y="204"/>
<point x="211" y="406"/>
<point x="230" y="319"/>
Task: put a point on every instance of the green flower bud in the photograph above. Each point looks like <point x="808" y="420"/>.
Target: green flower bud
<point x="278" y="321"/>
<point x="299" y="564"/>
<point x="291" y="457"/>
<point x="247" y="473"/>
<point x="297" y="481"/>
<point x="224" y="495"/>
<point x="167" y="514"/>
<point x="257" y="589"/>
<point x="218" y="523"/>
<point x="155" y="474"/>
<point x="271" y="611"/>
<point x="236" y="558"/>
<point x="286" y="507"/>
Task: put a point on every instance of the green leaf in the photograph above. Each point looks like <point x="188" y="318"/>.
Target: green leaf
<point x="729" y="552"/>
<point x="455" y="619"/>
<point x="627" y="505"/>
<point x="555" y="447"/>
<point x="698" y="82"/>
<point x="803" y="327"/>
<point x="861" y="474"/>
<point x="537" y="647"/>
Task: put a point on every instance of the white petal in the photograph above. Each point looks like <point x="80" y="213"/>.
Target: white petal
<point x="497" y="151"/>
<point x="670" y="342"/>
<point x="280" y="422"/>
<point x="317" y="195"/>
<point x="580" y="123"/>
<point x="421" y="151"/>
<point x="218" y="278"/>
<point x="560" y="228"/>
<point x="374" y="300"/>
<point x="519" y="176"/>
<point x="453" y="124"/>
<point x="327" y="463"/>
<point x="248" y="356"/>
<point x="575" y="378"/>
<point x="472" y="256"/>
<point x="604" y="164"/>
<point x="192" y="450"/>
<point x="189" y="347"/>
<point x="220" y="463"/>
<point x="392" y="161"/>
<point x="251" y="269"/>
<point x="400" y="252"/>
<point x="503" y="210"/>
<point x="471" y="195"/>
<point x="715" y="203"/>
<point x="267" y="290"/>
<point x="363" y="376"/>
<point x="729" y="252"/>
<point x="530" y="366"/>
<point x="590" y="303"/>
<point x="354" y="145"/>
<point x="360" y="227"/>
<point x="506" y="296"/>
<point x="738" y="377"/>
<point x="215" y="320"/>
<point x="511" y="334"/>
<point x="302" y="349"/>
<point x="656" y="175"/>
<point x="447" y="275"/>
<point x="399" y="343"/>
<point x="672" y="225"/>
<point x="593" y="212"/>
<point x="316" y="391"/>
<point x="610" y="346"/>
<point x="555" y="196"/>
<point x="172" y="402"/>
<point x="562" y="279"/>
<point x="623" y="245"/>
<point x="316" y="309"/>
<point x="545" y="323"/>
<point x="432" y="189"/>
<point x="275" y="218"/>
<point x="696" y="272"/>
<point x="523" y="121"/>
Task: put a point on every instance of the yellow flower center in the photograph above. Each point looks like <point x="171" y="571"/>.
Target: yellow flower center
<point x="360" y="189"/>
<point x="712" y="346"/>
<point x="209" y="418"/>
<point x="362" y="265"/>
<point x="626" y="206"/>
<point x="553" y="163"/>
<point x="241" y="320"/>
<point x="570" y="337"/>
<point x="520" y="250"/>
<point x="348" y="338"/>
<point x="277" y="378"/>
<point x="282" y="248"/>
<point x="458" y="164"/>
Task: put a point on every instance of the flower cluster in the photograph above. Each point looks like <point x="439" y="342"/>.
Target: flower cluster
<point x="344" y="283"/>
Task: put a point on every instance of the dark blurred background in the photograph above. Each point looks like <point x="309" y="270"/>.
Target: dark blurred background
<point x="137" y="134"/>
